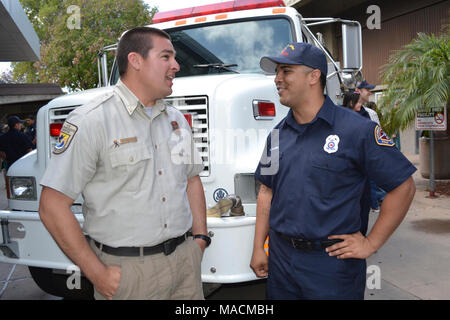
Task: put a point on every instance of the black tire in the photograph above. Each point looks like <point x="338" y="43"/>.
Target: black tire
<point x="56" y="284"/>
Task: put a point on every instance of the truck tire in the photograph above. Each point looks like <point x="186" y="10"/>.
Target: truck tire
<point x="56" y="284"/>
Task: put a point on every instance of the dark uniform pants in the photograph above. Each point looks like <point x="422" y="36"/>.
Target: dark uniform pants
<point x="299" y="274"/>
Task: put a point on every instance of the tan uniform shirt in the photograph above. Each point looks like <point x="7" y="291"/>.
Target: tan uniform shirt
<point x="131" y="169"/>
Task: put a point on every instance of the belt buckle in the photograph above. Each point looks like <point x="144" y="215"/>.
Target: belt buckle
<point x="302" y="244"/>
<point x="169" y="246"/>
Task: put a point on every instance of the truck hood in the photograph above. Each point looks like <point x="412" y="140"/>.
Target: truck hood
<point x="186" y="86"/>
<point x="79" y="98"/>
<point x="199" y="85"/>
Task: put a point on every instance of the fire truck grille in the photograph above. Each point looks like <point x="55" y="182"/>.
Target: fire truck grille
<point x="197" y="108"/>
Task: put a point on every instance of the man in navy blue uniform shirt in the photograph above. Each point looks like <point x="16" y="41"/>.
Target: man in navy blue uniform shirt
<point x="15" y="143"/>
<point x="314" y="174"/>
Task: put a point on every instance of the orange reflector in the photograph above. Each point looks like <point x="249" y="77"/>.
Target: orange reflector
<point x="279" y="10"/>
<point x="180" y="23"/>
<point x="266" y="246"/>
<point x="221" y="16"/>
<point x="215" y="8"/>
<point x="202" y="19"/>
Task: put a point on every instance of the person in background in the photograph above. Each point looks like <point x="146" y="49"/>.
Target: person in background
<point x="364" y="90"/>
<point x="30" y="129"/>
<point x="14" y="143"/>
<point x="352" y="100"/>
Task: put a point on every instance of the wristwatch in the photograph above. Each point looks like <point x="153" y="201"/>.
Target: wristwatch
<point x="203" y="237"/>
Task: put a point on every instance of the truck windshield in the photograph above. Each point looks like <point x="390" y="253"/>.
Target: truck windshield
<point x="227" y="47"/>
<point x="205" y="48"/>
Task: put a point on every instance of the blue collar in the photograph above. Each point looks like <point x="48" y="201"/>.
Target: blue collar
<point x="325" y="113"/>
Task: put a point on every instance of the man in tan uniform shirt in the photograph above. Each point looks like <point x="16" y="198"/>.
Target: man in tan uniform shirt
<point x="133" y="159"/>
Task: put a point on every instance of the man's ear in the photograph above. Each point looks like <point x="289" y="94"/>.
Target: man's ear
<point x="315" y="76"/>
<point x="134" y="60"/>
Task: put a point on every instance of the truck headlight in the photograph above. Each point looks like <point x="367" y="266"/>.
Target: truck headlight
<point x="23" y="188"/>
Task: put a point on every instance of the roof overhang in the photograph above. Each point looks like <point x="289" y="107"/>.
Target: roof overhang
<point x="19" y="41"/>
<point x="28" y="92"/>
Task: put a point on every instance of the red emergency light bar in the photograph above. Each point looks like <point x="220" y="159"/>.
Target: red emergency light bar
<point x="220" y="7"/>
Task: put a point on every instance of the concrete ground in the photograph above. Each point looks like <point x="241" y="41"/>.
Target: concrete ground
<point x="414" y="263"/>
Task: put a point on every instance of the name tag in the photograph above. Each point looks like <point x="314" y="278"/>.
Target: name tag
<point x="128" y="140"/>
<point x="117" y="143"/>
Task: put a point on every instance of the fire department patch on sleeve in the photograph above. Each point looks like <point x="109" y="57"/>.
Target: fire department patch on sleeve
<point x="382" y="138"/>
<point x="65" y="137"/>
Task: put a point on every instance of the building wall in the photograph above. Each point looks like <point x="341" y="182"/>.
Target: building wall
<point x="401" y="20"/>
<point x="399" y="27"/>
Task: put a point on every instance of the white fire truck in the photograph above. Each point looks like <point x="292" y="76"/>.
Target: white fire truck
<point x="231" y="105"/>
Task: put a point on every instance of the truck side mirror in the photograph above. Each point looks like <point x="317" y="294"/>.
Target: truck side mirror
<point x="351" y="46"/>
<point x="102" y="64"/>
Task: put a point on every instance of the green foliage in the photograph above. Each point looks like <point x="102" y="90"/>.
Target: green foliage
<point x="417" y="75"/>
<point x="68" y="54"/>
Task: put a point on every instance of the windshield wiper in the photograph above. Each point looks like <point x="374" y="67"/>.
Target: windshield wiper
<point x="222" y="66"/>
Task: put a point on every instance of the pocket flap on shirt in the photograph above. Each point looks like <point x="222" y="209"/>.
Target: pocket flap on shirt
<point x="126" y="155"/>
<point x="332" y="163"/>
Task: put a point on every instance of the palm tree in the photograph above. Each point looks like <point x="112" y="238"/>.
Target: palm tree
<point x="417" y="75"/>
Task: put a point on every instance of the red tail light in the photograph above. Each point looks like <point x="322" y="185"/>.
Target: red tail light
<point x="220" y="7"/>
<point x="188" y="117"/>
<point x="263" y="110"/>
<point x="55" y="129"/>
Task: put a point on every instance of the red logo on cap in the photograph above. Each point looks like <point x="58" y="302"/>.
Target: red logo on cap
<point x="284" y="53"/>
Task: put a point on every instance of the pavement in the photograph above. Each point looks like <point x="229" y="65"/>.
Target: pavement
<point x="414" y="264"/>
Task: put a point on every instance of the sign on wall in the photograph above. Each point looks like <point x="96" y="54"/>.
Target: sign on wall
<point x="432" y="119"/>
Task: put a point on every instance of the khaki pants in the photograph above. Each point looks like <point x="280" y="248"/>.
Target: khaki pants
<point x="159" y="277"/>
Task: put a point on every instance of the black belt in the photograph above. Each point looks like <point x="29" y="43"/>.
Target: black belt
<point x="309" y="245"/>
<point x="167" y="247"/>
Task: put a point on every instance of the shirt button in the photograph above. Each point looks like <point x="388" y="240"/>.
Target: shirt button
<point x="131" y="159"/>
<point x="163" y="199"/>
<point x="160" y="172"/>
<point x="165" y="225"/>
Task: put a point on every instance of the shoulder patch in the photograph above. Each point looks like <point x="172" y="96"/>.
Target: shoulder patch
<point x="382" y="138"/>
<point x="65" y="137"/>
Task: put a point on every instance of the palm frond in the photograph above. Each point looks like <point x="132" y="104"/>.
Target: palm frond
<point x="418" y="75"/>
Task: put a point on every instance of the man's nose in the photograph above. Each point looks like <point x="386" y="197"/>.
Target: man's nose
<point x="277" y="77"/>
<point x="176" y="66"/>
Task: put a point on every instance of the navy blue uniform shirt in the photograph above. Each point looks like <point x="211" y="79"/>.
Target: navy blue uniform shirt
<point x="323" y="172"/>
<point x="15" y="144"/>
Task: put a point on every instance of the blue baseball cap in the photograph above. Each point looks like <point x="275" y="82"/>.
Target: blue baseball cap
<point x="13" y="120"/>
<point x="298" y="53"/>
<point x="365" y="85"/>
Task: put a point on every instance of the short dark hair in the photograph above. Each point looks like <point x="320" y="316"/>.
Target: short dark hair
<point x="323" y="80"/>
<point x="137" y="40"/>
<point x="351" y="98"/>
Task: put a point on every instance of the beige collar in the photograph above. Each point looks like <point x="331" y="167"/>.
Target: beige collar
<point x="131" y="102"/>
